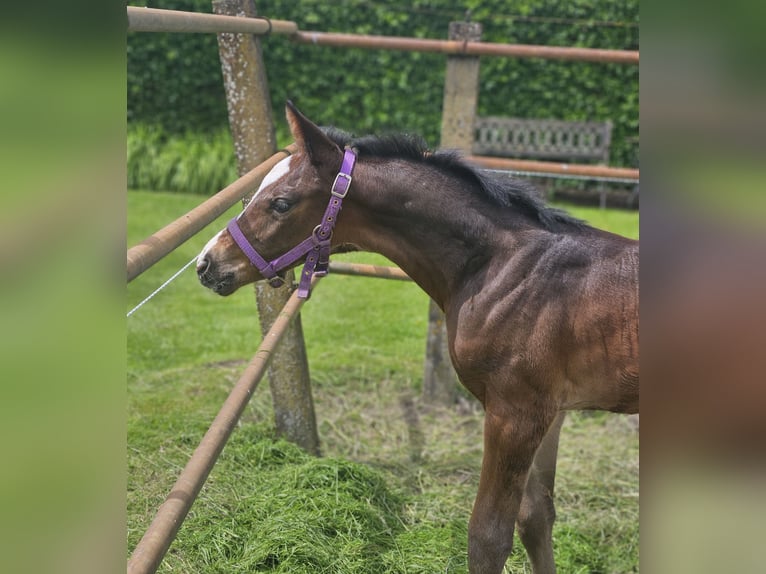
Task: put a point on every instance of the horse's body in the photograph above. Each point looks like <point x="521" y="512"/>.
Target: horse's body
<point x="541" y="309"/>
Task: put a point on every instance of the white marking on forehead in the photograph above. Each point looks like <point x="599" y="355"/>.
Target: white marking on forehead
<point x="208" y="247"/>
<point x="275" y="174"/>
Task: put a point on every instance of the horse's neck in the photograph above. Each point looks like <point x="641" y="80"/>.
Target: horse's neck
<point x="420" y="219"/>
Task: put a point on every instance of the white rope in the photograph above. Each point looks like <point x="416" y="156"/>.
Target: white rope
<point x="161" y="287"/>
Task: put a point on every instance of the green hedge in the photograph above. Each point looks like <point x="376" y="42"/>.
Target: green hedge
<point x="191" y="162"/>
<point x="174" y="79"/>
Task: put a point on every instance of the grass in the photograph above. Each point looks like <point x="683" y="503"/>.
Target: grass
<point x="394" y="488"/>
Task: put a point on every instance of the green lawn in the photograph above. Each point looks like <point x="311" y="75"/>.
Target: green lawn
<point x="387" y="495"/>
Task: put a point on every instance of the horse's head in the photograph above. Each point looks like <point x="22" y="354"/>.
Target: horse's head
<point x="285" y="210"/>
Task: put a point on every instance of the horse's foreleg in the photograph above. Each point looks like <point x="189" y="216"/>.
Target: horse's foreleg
<point x="510" y="443"/>
<point x="537" y="513"/>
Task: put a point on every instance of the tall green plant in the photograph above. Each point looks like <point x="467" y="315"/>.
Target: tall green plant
<point x="190" y="162"/>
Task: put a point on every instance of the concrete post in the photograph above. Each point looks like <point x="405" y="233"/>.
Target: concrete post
<point x="461" y="90"/>
<point x="252" y="129"/>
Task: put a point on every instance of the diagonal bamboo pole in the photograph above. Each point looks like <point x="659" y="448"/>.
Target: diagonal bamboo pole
<point x="154" y="545"/>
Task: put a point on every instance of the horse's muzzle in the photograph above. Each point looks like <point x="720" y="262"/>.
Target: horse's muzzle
<point x="221" y="283"/>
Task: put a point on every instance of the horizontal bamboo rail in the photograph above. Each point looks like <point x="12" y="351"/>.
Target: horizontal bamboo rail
<point x="466" y="48"/>
<point x="366" y="270"/>
<point x="145" y="254"/>
<point x="552" y="167"/>
<point x="156" y="20"/>
<point x="153" y="546"/>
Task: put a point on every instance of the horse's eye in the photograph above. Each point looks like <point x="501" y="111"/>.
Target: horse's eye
<point x="281" y="205"/>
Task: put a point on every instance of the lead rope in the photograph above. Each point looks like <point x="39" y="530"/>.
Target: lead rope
<point x="161" y="287"/>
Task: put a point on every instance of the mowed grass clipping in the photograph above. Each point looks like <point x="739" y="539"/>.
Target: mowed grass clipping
<point x="394" y="488"/>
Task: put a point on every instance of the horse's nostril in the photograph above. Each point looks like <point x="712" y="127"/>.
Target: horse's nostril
<point x="203" y="266"/>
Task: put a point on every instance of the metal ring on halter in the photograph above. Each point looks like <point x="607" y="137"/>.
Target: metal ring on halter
<point x="316" y="235"/>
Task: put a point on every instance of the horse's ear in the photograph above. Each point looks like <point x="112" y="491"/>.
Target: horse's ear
<point x="323" y="152"/>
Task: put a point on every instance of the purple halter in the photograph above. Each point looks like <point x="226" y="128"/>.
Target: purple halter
<point x="317" y="245"/>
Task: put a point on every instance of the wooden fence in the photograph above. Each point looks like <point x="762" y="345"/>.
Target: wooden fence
<point x="282" y="351"/>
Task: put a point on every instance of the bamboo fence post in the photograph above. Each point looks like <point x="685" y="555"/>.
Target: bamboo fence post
<point x="252" y="127"/>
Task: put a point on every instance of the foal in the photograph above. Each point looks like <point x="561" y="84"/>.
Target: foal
<point x="541" y="309"/>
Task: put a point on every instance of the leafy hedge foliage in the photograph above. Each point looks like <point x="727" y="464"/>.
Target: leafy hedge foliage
<point x="192" y="162"/>
<point x="175" y="79"/>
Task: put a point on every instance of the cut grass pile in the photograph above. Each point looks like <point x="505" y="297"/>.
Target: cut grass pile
<point x="297" y="513"/>
<point x="394" y="488"/>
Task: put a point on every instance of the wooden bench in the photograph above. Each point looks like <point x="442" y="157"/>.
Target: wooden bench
<point x="553" y="140"/>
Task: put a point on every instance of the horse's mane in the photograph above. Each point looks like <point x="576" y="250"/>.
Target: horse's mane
<point x="499" y="189"/>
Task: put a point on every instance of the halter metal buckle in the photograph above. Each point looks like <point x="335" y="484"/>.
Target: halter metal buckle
<point x="335" y="184"/>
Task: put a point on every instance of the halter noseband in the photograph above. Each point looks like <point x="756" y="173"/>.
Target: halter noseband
<point x="317" y="245"/>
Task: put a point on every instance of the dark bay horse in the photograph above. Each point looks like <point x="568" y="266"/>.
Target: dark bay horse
<point x="541" y="309"/>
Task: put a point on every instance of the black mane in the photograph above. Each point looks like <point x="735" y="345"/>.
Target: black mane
<point x="498" y="188"/>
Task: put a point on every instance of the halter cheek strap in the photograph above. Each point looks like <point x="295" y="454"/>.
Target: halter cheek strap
<point x="316" y="247"/>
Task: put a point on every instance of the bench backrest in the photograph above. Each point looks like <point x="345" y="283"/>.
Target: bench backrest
<point x="543" y="139"/>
